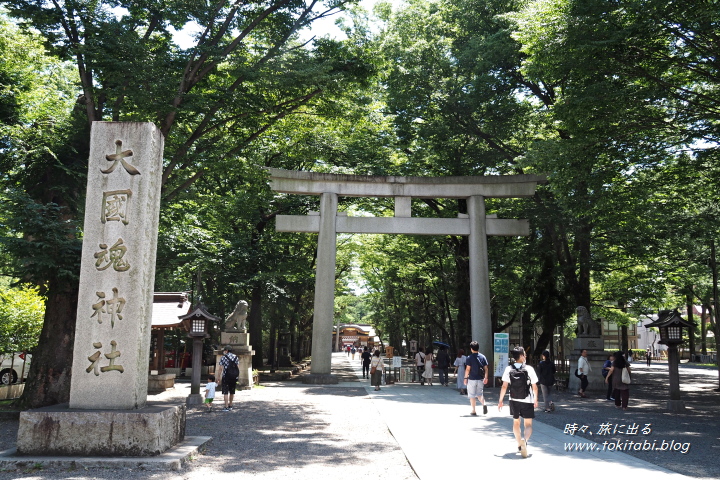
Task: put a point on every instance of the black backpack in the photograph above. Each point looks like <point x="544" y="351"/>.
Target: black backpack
<point x="519" y="383"/>
<point x="231" y="371"/>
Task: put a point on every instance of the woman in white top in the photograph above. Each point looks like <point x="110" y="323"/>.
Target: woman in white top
<point x="428" y="373"/>
<point x="460" y="371"/>
<point x="376" y="363"/>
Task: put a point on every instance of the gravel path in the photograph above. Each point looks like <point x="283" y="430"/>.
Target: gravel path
<point x="275" y="432"/>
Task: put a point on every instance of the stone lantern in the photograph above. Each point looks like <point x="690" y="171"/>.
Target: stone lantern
<point x="197" y="324"/>
<point x="671" y="326"/>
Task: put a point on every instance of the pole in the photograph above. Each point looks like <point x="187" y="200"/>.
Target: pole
<point x="674" y="404"/>
<point x="196" y="365"/>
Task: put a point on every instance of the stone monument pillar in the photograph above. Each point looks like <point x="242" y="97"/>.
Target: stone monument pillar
<point x="108" y="390"/>
<point x="240" y="344"/>
<point x="589" y="338"/>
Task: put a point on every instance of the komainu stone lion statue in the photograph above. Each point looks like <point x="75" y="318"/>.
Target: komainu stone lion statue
<point x="587" y="327"/>
<point x="237" y="318"/>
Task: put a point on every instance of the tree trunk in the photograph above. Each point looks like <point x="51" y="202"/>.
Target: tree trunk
<point x="716" y="301"/>
<point x="462" y="292"/>
<point x="49" y="376"/>
<point x="272" y="342"/>
<point x="703" y="329"/>
<point x="255" y="326"/>
<point x="624" y="339"/>
<point x="691" y="331"/>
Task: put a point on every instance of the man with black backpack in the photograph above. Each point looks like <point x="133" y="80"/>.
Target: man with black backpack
<point x="522" y="381"/>
<point x="229" y="373"/>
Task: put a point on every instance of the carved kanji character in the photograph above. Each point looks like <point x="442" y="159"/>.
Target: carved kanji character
<point x="114" y="353"/>
<point x="94" y="358"/>
<point x="115" y="205"/>
<point x="119" y="156"/>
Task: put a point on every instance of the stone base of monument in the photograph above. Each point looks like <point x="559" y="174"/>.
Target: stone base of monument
<point x="240" y="344"/>
<point x="284" y="361"/>
<point x="60" y="430"/>
<point x="320" y="379"/>
<point x="597" y="355"/>
<point x="160" y="383"/>
<point x="194" y="399"/>
<point x="676" y="406"/>
<point x="172" y="459"/>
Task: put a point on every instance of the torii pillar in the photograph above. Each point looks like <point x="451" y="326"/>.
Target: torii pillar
<point x="328" y="223"/>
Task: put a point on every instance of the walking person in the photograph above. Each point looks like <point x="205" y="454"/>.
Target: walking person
<point x="210" y="392"/>
<point x="522" y="381"/>
<point x="606" y="368"/>
<point x="420" y="365"/>
<point x="428" y="372"/>
<point x="229" y="373"/>
<point x="366" y="357"/>
<point x="460" y="371"/>
<point x="443" y="364"/>
<point x="546" y="379"/>
<point x="377" y="367"/>
<point x="648" y="356"/>
<point x="476" y="376"/>
<point x="583" y="372"/>
<point x="352" y="352"/>
<point x="621" y="390"/>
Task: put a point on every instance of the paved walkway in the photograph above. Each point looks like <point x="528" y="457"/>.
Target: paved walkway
<point x="434" y="429"/>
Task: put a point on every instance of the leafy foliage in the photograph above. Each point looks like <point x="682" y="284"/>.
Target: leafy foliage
<point x="21" y="317"/>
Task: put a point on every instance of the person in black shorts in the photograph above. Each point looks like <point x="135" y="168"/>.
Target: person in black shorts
<point x="522" y="381"/>
<point x="229" y="381"/>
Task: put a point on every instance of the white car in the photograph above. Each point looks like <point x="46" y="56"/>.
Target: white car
<point x="10" y="374"/>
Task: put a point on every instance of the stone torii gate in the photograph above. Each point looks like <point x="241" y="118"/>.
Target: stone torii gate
<point x="328" y="223"/>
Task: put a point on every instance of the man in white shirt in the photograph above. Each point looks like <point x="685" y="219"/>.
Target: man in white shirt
<point x="420" y="364"/>
<point x="522" y="380"/>
<point x="583" y="372"/>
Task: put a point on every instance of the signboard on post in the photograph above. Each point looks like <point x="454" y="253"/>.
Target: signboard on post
<point x="501" y="352"/>
<point x="397" y="362"/>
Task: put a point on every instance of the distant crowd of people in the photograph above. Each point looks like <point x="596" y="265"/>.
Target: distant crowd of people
<point x="520" y="381"/>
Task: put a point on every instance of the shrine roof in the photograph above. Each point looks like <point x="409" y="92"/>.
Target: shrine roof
<point x="168" y="307"/>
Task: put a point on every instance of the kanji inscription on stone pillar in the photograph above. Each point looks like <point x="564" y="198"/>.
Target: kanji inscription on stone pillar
<point x="112" y="333"/>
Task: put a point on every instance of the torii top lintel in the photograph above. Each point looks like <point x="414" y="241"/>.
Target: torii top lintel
<point x="312" y="183"/>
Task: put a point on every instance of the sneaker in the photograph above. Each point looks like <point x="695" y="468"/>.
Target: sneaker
<point x="225" y="409"/>
<point x="611" y="399"/>
<point x="523" y="448"/>
<point x="484" y="409"/>
<point x="230" y="407"/>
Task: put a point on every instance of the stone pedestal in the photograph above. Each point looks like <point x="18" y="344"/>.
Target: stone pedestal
<point x="676" y="406"/>
<point x="597" y="355"/>
<point x="60" y="430"/>
<point x="240" y="344"/>
<point x="194" y="399"/>
<point x="160" y="383"/>
<point x="320" y="379"/>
